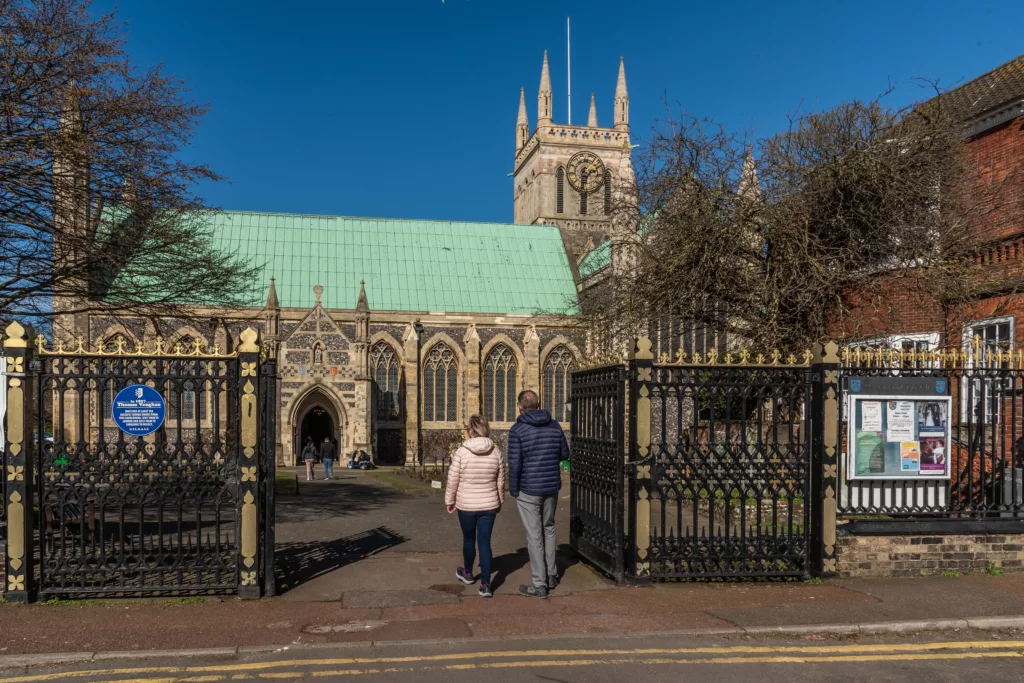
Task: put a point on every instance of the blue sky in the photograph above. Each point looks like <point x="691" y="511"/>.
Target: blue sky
<point x="407" y="108"/>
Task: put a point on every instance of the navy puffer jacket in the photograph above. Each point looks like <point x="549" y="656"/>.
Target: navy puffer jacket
<point x="536" y="445"/>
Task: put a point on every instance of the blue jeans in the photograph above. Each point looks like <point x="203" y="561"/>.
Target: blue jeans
<point x="476" y="530"/>
<point x="328" y="467"/>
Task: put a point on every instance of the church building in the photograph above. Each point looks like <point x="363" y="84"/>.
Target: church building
<point x="388" y="333"/>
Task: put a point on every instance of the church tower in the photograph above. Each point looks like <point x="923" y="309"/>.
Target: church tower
<point x="567" y="175"/>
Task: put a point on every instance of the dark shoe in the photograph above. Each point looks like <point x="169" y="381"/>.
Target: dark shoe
<point x="465" y="577"/>
<point x="485" y="590"/>
<point x="553" y="582"/>
<point x="532" y="592"/>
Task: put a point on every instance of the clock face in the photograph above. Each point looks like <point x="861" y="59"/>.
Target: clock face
<point x="585" y="172"/>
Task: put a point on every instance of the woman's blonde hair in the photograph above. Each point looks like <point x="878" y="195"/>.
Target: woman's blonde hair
<point x="478" y="425"/>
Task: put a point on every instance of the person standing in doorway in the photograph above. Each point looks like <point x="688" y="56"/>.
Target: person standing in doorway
<point x="309" y="457"/>
<point x="536" y="447"/>
<point x="327" y="456"/>
<point x="476" y="488"/>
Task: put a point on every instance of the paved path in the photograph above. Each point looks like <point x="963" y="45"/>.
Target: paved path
<point x="910" y="659"/>
<point x="371" y="532"/>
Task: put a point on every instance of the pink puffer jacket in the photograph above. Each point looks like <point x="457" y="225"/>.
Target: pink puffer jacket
<point x="476" y="480"/>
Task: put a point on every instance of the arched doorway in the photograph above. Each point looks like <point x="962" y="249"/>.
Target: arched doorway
<point x="317" y="415"/>
<point x="316" y="425"/>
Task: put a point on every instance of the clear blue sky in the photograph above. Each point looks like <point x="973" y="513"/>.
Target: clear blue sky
<point x="407" y="108"/>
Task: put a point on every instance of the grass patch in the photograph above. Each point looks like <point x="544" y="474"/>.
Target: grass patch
<point x="994" y="570"/>
<point x="815" y="581"/>
<point x="286" y="482"/>
<point x="951" y="575"/>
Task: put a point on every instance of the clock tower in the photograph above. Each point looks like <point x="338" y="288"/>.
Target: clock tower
<point x="566" y="175"/>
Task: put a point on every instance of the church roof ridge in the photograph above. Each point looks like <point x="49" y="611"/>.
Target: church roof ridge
<point x="388" y="219"/>
<point x="407" y="264"/>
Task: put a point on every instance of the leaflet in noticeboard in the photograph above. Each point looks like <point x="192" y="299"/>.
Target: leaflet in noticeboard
<point x="899" y="438"/>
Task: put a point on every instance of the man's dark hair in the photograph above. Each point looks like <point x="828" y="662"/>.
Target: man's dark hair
<point x="528" y="399"/>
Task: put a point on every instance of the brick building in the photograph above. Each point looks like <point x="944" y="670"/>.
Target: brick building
<point x="991" y="108"/>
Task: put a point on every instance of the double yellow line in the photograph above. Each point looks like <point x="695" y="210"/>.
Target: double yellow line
<point x="354" y="666"/>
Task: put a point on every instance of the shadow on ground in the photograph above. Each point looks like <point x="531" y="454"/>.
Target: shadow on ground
<point x="508" y="563"/>
<point x="297" y="563"/>
<point x="317" y="502"/>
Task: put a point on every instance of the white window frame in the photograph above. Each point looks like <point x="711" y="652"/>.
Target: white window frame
<point x="969" y="332"/>
<point x="894" y="341"/>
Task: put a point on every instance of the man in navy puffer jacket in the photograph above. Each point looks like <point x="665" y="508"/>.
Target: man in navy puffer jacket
<point x="536" y="445"/>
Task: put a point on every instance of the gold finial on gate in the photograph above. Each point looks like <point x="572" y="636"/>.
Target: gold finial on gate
<point x="744" y="357"/>
<point x="680" y="357"/>
<point x="808" y="357"/>
<point x="727" y="358"/>
<point x="15" y="336"/>
<point x="776" y="357"/>
<point x="712" y="356"/>
<point x="40" y="344"/>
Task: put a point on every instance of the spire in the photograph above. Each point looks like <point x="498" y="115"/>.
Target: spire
<point x="592" y="118"/>
<point x="749" y="187"/>
<point x="522" y="123"/>
<point x="272" y="302"/>
<point x="363" y="305"/>
<point x="544" y="95"/>
<point x="621" y="99"/>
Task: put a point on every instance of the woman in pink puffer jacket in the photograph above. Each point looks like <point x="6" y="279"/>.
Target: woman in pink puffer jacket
<point x="476" y="488"/>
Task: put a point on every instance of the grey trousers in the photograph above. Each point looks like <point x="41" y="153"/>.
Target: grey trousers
<point x="538" y="515"/>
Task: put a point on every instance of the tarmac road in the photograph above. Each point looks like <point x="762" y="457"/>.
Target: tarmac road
<point x="930" y="658"/>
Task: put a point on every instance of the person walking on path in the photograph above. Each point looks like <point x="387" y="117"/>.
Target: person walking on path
<point x="327" y="456"/>
<point x="536" y="447"/>
<point x="476" y="488"/>
<point x="309" y="457"/>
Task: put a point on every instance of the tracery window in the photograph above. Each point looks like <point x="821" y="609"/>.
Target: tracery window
<point x="440" y="385"/>
<point x="557" y="374"/>
<point x="384" y="370"/>
<point x="499" y="384"/>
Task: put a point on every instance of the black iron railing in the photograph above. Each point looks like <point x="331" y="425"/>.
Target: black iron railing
<point x="729" y="469"/>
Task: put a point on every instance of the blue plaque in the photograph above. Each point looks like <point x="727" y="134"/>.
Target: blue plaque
<point x="139" y="410"/>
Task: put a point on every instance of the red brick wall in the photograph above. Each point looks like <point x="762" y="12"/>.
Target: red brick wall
<point x="907" y="305"/>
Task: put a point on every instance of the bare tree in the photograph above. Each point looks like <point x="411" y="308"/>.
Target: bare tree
<point x="98" y="210"/>
<point x="842" y="214"/>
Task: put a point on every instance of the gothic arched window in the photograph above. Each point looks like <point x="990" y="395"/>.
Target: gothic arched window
<point x="499" y="383"/>
<point x="557" y="373"/>
<point x="384" y="371"/>
<point x="560" y="190"/>
<point x="440" y="385"/>
<point x="607" y="192"/>
<point x="186" y="396"/>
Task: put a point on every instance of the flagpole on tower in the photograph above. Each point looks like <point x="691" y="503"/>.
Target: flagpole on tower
<point x="568" y="66"/>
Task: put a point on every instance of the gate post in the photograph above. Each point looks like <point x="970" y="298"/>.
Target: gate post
<point x="268" y="456"/>
<point x="19" y="451"/>
<point x="639" y="470"/>
<point x="824" y="428"/>
<point x="249" y="405"/>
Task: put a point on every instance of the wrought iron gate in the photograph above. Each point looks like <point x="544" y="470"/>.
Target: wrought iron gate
<point x="596" y="526"/>
<point x="179" y="511"/>
<point x="717" y="468"/>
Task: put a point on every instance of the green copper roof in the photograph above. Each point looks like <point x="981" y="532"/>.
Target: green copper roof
<point x="408" y="265"/>
<point x="596" y="259"/>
